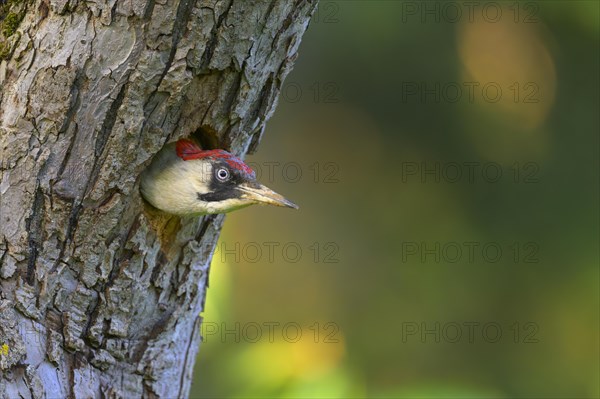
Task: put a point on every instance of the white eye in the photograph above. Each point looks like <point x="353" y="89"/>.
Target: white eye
<point x="222" y="174"/>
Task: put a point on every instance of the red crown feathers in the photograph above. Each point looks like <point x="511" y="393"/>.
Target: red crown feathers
<point x="188" y="150"/>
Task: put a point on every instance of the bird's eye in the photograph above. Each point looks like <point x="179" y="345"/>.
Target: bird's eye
<point x="222" y="174"/>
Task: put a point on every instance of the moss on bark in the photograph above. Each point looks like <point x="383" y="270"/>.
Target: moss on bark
<point x="12" y="13"/>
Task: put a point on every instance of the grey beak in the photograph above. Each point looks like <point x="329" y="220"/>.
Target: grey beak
<point x="258" y="193"/>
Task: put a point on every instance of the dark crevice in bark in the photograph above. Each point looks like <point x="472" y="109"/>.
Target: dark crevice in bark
<point x="123" y="255"/>
<point x="113" y="12"/>
<point x="149" y="9"/>
<point x="70" y="360"/>
<point x="259" y="109"/>
<point x="71" y="225"/>
<point x="34" y="228"/>
<point x="193" y="333"/>
<point x="263" y="98"/>
<point x="61" y="194"/>
<point x="74" y="107"/>
<point x="158" y="327"/>
<point x="4" y="250"/>
<point x="109" y="121"/>
<point x="268" y="13"/>
<point x="213" y="40"/>
<point x="183" y="14"/>
<point x="286" y="23"/>
<point x="43" y="10"/>
<point x="106" y="198"/>
<point x="210" y="220"/>
<point x="232" y="93"/>
<point x="207" y="221"/>
<point x="161" y="260"/>
<point x="154" y="101"/>
<point x="93" y="314"/>
<point x="256" y="137"/>
<point x="120" y="260"/>
<point x="181" y="19"/>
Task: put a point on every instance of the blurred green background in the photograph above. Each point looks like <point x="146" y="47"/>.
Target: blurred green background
<point x="447" y="241"/>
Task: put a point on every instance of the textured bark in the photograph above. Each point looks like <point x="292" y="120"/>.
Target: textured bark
<point x="100" y="294"/>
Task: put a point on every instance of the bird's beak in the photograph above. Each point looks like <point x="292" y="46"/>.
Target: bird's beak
<point x="256" y="192"/>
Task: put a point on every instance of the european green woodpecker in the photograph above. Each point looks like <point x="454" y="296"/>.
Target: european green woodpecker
<point x="184" y="179"/>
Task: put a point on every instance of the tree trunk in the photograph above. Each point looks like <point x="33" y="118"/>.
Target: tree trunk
<point x="100" y="295"/>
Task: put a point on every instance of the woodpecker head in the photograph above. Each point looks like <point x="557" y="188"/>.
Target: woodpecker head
<point x="183" y="179"/>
